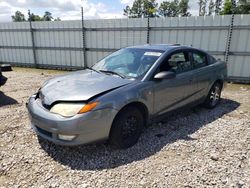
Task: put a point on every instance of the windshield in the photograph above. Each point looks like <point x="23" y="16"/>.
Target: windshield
<point x="128" y="62"/>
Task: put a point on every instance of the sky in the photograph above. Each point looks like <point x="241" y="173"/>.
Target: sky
<point x="71" y="9"/>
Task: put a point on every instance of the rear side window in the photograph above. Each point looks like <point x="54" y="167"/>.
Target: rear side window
<point x="199" y="59"/>
<point x="179" y="62"/>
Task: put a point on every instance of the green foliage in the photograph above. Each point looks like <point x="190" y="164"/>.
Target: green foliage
<point x="141" y="8"/>
<point x="18" y="17"/>
<point x="180" y="7"/>
<point x="169" y="9"/>
<point x="35" y="18"/>
<point x="183" y="8"/>
<point x="243" y="7"/>
<point x="47" y="16"/>
<point x="227" y="8"/>
<point x="149" y="8"/>
<point x="174" y="8"/>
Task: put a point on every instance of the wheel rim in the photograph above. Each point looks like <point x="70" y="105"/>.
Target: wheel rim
<point x="129" y="127"/>
<point x="215" y="95"/>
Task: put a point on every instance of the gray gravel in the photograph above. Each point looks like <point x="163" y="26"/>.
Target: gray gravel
<point x="195" y="148"/>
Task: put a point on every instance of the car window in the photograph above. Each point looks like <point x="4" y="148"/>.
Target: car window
<point x="121" y="59"/>
<point x="178" y="62"/>
<point x="199" y="59"/>
<point x="129" y="62"/>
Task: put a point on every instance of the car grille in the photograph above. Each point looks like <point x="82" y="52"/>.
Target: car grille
<point x="44" y="132"/>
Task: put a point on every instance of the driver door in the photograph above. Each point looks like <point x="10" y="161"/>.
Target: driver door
<point x="173" y="93"/>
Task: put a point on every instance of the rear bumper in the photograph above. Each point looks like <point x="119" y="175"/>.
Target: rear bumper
<point x="89" y="127"/>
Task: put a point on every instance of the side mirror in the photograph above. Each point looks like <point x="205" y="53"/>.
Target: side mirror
<point x="164" y="75"/>
<point x="5" y="67"/>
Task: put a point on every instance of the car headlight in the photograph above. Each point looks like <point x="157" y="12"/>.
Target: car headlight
<point x="71" y="109"/>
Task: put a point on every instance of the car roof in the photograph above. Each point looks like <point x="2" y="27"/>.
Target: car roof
<point x="163" y="47"/>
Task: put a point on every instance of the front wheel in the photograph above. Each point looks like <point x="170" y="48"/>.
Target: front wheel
<point x="214" y="95"/>
<point x="126" y="128"/>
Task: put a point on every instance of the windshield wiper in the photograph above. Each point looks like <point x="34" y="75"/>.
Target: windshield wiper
<point x="112" y="72"/>
<point x="90" y="68"/>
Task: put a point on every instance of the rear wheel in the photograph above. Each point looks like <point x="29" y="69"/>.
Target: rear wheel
<point x="126" y="128"/>
<point x="214" y="95"/>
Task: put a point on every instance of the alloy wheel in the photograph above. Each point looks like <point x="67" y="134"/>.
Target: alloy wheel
<point x="215" y="95"/>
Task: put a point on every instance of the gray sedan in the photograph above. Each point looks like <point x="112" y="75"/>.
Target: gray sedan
<point x="118" y="96"/>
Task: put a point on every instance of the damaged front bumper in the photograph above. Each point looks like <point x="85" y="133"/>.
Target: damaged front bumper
<point x="79" y="129"/>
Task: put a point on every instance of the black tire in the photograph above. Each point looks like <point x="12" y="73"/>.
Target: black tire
<point x="5" y="67"/>
<point x="213" y="97"/>
<point x="126" y="128"/>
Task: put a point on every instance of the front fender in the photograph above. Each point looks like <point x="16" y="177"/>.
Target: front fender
<point x="136" y="92"/>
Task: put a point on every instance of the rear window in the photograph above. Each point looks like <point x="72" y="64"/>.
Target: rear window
<point x="199" y="59"/>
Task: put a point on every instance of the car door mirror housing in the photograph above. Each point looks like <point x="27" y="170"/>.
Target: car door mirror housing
<point x="164" y="75"/>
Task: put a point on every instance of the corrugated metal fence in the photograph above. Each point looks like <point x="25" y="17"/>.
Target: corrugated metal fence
<point x="60" y="44"/>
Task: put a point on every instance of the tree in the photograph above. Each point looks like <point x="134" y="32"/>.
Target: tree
<point x="126" y="11"/>
<point x="218" y="4"/>
<point x="202" y="7"/>
<point x="18" y="17"/>
<point x="35" y="18"/>
<point x="136" y="11"/>
<point x="227" y="8"/>
<point x="183" y="8"/>
<point x="174" y="8"/>
<point x="204" y="11"/>
<point x="57" y="19"/>
<point x="47" y="16"/>
<point x="243" y="7"/>
<point x="141" y="8"/>
<point x="211" y="8"/>
<point x="169" y="9"/>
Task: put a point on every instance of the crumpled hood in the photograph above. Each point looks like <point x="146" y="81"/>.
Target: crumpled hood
<point x="79" y="86"/>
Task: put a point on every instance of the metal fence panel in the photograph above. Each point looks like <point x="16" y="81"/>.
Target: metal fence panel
<point x="60" y="44"/>
<point x="239" y="65"/>
<point x="190" y="31"/>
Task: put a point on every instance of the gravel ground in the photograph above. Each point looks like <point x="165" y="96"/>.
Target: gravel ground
<point x="196" y="148"/>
